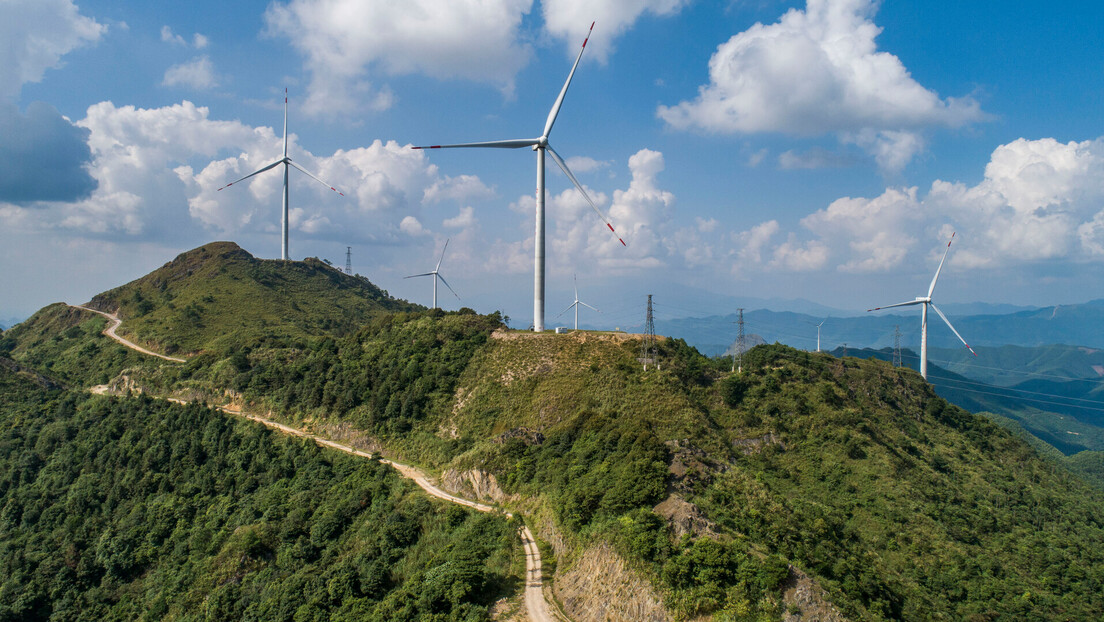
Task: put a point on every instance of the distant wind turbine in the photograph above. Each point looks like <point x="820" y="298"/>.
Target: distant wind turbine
<point x="818" y="331"/>
<point x="926" y="301"/>
<point x="286" y="161"/>
<point x="540" y="145"/>
<point x="576" y="304"/>
<point x="436" y="274"/>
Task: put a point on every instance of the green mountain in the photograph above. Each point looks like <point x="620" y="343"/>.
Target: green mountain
<point x="804" y="485"/>
<point x="140" y="509"/>
<point x="219" y="296"/>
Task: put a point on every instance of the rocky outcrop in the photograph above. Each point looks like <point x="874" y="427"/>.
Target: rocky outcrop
<point x="805" y="601"/>
<point x="685" y="517"/>
<point x="473" y="484"/>
<point x="599" y="588"/>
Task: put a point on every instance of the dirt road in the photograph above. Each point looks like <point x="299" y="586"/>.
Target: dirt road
<point x="110" y="332"/>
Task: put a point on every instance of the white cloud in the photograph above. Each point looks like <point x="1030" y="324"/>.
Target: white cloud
<point x="35" y="35"/>
<point x="570" y="19"/>
<point x="199" y="41"/>
<point x="411" y="226"/>
<point x="197" y="73"/>
<point x="582" y="164"/>
<point x="168" y="36"/>
<point x="464" y="220"/>
<point x="460" y="188"/>
<point x="469" y="39"/>
<point x="1039" y="201"/>
<point x="158" y="169"/>
<point x="818" y="72"/>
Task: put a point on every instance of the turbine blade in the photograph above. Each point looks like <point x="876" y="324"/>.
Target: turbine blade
<point x="899" y="304"/>
<point x="515" y="143"/>
<point x="936" y="277"/>
<point x="442" y="256"/>
<point x="257" y="172"/>
<point x="555" y="112"/>
<point x="285" y="122"/>
<point x="588" y="306"/>
<point x="953" y="329"/>
<point x="417" y="275"/>
<point x="567" y="309"/>
<point x="563" y="166"/>
<point x="304" y="171"/>
<point x="575" y="278"/>
<point x="449" y="287"/>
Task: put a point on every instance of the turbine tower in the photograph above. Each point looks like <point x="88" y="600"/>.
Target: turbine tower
<point x="436" y="274"/>
<point x="286" y="161"/>
<point x="576" y="304"/>
<point x="540" y="145"/>
<point x="818" y="331"/>
<point x="926" y="301"/>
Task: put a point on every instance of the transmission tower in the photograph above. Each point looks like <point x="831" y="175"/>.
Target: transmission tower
<point x="348" y="260"/>
<point x="741" y="343"/>
<point x="648" y="347"/>
<point x="897" y="345"/>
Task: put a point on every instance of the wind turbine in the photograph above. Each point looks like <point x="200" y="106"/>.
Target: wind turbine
<point x="926" y="301"/>
<point x="286" y="161"/>
<point x="436" y="274"/>
<point x="540" y="145"/>
<point x="576" y="304"/>
<point x="818" y="331"/>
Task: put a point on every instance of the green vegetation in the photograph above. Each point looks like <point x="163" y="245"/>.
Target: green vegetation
<point x="709" y="484"/>
<point x="218" y="297"/>
<point x="141" y="509"/>
<point x="67" y="343"/>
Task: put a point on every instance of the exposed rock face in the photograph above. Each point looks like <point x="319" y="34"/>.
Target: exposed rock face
<point x="599" y="588"/>
<point x="685" y="517"/>
<point x="800" y="593"/>
<point x="473" y="484"/>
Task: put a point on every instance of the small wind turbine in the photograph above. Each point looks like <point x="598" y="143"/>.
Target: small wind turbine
<point x="926" y="301"/>
<point x="286" y="161"/>
<point x="818" y="331"/>
<point x="436" y="274"/>
<point x="576" y="303"/>
<point x="540" y="145"/>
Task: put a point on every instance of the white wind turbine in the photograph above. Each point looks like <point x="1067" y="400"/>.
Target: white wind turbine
<point x="818" y="331"/>
<point x="436" y="274"/>
<point x="926" y="301"/>
<point x="286" y="161"/>
<point x="576" y="303"/>
<point x="540" y="145"/>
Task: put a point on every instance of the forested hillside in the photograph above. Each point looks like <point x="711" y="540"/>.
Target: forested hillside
<point x="141" y="509"/>
<point x="719" y="491"/>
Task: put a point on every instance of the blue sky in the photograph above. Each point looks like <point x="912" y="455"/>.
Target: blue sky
<point x="777" y="150"/>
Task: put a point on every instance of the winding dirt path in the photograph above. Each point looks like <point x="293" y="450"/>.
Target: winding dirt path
<point x="110" y="332"/>
<point x="535" y="603"/>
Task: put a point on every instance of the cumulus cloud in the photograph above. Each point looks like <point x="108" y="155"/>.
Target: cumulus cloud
<point x="469" y="39"/>
<point x="570" y="19"/>
<point x="582" y="164"/>
<point x="43" y="156"/>
<point x="36" y="34"/>
<point x="1039" y="200"/>
<point x="464" y="220"/>
<point x="157" y="172"/>
<point x="817" y="72"/>
<point x="197" y="73"/>
<point x="168" y="36"/>
<point x="459" y="188"/>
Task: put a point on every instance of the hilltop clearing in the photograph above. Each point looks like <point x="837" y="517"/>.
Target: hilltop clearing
<point x="219" y="296"/>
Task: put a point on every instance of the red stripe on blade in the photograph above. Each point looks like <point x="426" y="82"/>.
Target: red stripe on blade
<point x="610" y="226"/>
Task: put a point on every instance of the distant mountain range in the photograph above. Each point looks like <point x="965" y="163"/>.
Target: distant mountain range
<point x="1075" y="325"/>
